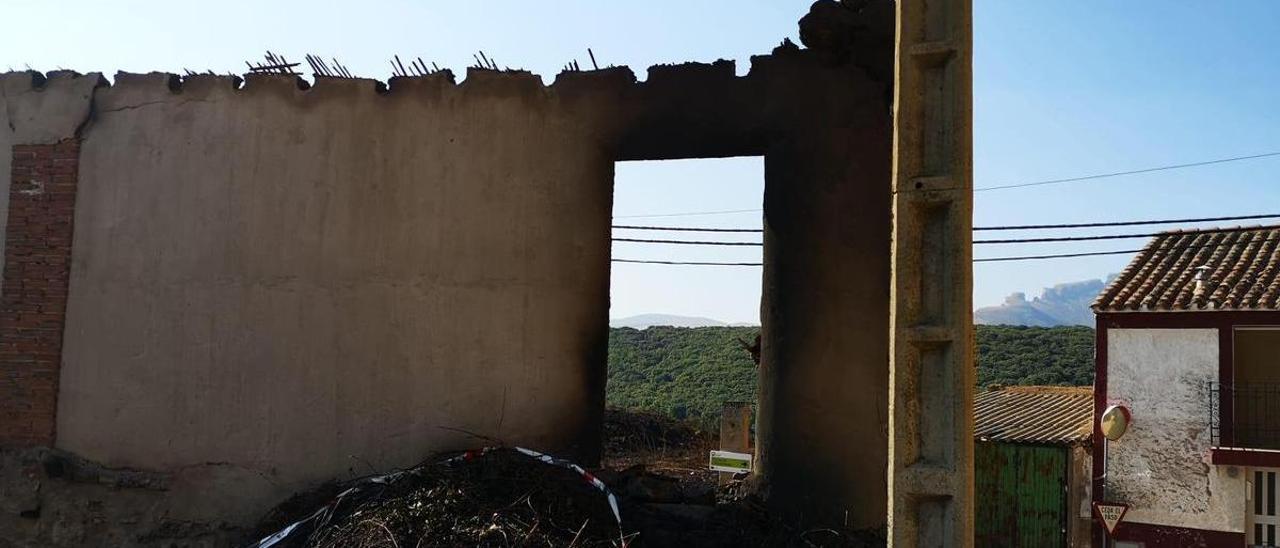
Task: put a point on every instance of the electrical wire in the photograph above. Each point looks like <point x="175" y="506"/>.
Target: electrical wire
<point x="1129" y="223"/>
<point x="688" y="214"/>
<point x="1003" y="228"/>
<point x="686" y="242"/>
<point x="1054" y="239"/>
<point x="1054" y="256"/>
<point x="1127" y="251"/>
<point x="1130" y="172"/>
<point x="991" y="259"/>
<point x="690" y="229"/>
<point x="1015" y="185"/>
<point x="1107" y="236"/>
<point x="691" y="263"/>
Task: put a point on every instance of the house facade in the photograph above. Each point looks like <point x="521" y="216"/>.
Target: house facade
<point x="1188" y="342"/>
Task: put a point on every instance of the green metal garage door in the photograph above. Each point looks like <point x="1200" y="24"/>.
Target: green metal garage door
<point x="1021" y="493"/>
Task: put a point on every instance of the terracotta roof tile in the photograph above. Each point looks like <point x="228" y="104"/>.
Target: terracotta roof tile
<point x="1034" y="414"/>
<point x="1241" y="271"/>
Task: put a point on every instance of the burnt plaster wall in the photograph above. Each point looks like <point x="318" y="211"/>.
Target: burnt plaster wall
<point x="274" y="285"/>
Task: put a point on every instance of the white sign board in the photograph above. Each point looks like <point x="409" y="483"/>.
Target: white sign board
<point x="1110" y="513"/>
<point x="729" y="461"/>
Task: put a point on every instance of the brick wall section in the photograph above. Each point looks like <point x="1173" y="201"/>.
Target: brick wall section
<point x="33" y="296"/>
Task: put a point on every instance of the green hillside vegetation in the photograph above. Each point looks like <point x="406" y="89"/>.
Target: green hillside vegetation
<point x="1020" y="355"/>
<point x="686" y="373"/>
<point x="689" y="373"/>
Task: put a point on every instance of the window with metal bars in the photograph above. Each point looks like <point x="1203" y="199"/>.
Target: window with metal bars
<point x="1244" y="415"/>
<point x="1263" y="520"/>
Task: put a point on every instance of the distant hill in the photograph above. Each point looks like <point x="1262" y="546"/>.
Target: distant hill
<point x="1022" y="355"/>
<point x="1062" y="304"/>
<point x="680" y="372"/>
<point x="644" y="321"/>
<point x="689" y="373"/>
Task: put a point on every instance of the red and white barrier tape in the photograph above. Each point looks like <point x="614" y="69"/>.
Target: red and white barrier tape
<point x="594" y="481"/>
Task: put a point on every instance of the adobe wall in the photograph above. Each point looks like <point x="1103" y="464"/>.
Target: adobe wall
<point x="273" y="286"/>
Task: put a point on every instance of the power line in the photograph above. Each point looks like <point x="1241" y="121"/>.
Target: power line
<point x="1130" y="223"/>
<point x="1054" y="256"/>
<point x="1131" y="172"/>
<point x="1009" y="186"/>
<point x="686" y="242"/>
<point x="993" y="259"/>
<point x="688" y="214"/>
<point x="1065" y="239"/>
<point x="1103" y="237"/>
<point x="691" y="263"/>
<point x="1097" y="253"/>
<point x="690" y="228"/>
<point x="982" y="260"/>
<point x="993" y="228"/>
<point x="1056" y="239"/>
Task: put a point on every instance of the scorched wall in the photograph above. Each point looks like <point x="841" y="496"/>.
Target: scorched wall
<point x="298" y="283"/>
<point x="273" y="285"/>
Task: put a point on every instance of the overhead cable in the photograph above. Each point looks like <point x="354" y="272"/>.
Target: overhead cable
<point x="690" y="263"/>
<point x="1014" y="185"/>
<point x="685" y="242"/>
<point x="688" y="214"/>
<point x="1106" y="236"/>
<point x="1130" y="172"/>
<point x="1130" y="223"/>
<point x="685" y="229"/>
<point x="988" y="259"/>
<point x="1000" y="228"/>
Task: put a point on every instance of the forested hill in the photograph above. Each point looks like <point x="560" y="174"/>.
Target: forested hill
<point x="1019" y="355"/>
<point x="691" y="372"/>
<point x="685" y="372"/>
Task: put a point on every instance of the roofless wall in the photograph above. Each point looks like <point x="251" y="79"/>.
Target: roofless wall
<point x="249" y="288"/>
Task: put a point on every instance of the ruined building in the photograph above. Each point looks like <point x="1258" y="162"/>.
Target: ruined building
<point x="219" y="292"/>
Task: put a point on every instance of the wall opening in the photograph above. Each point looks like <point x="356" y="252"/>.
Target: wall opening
<point x="684" y="318"/>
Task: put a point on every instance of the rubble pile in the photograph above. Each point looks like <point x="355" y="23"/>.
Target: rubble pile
<point x="516" y="497"/>
<point x="496" y="498"/>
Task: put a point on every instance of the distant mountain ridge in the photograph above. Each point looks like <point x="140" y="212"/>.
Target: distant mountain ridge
<point x="645" y="321"/>
<point x="1063" y="304"/>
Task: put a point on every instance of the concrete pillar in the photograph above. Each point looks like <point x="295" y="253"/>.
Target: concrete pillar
<point x="735" y="427"/>
<point x="931" y="370"/>
<point x="822" y="440"/>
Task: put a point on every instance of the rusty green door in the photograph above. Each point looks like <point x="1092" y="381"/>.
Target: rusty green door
<point x="1021" y="493"/>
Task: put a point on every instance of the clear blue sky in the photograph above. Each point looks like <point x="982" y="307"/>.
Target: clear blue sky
<point x="1062" y="88"/>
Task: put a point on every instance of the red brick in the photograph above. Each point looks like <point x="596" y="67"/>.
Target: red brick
<point x="33" y="296"/>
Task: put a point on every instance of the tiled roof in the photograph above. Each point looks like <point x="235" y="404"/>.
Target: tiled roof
<point x="1034" y="414"/>
<point x="1241" y="272"/>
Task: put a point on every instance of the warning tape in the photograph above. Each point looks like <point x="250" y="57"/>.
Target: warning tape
<point x="273" y="539"/>
<point x="594" y="481"/>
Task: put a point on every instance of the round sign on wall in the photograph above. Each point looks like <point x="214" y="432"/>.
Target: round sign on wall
<point x="1115" y="422"/>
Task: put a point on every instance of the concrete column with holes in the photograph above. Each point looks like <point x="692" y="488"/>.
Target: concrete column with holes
<point x="931" y="368"/>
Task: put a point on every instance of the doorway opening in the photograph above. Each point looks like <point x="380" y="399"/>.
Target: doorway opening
<point x="684" y="318"/>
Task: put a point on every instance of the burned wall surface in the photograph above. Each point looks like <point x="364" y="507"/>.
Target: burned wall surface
<point x="274" y="284"/>
<point x="304" y="282"/>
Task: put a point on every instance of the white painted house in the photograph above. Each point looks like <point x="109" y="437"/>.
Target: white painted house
<point x="1188" y="341"/>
